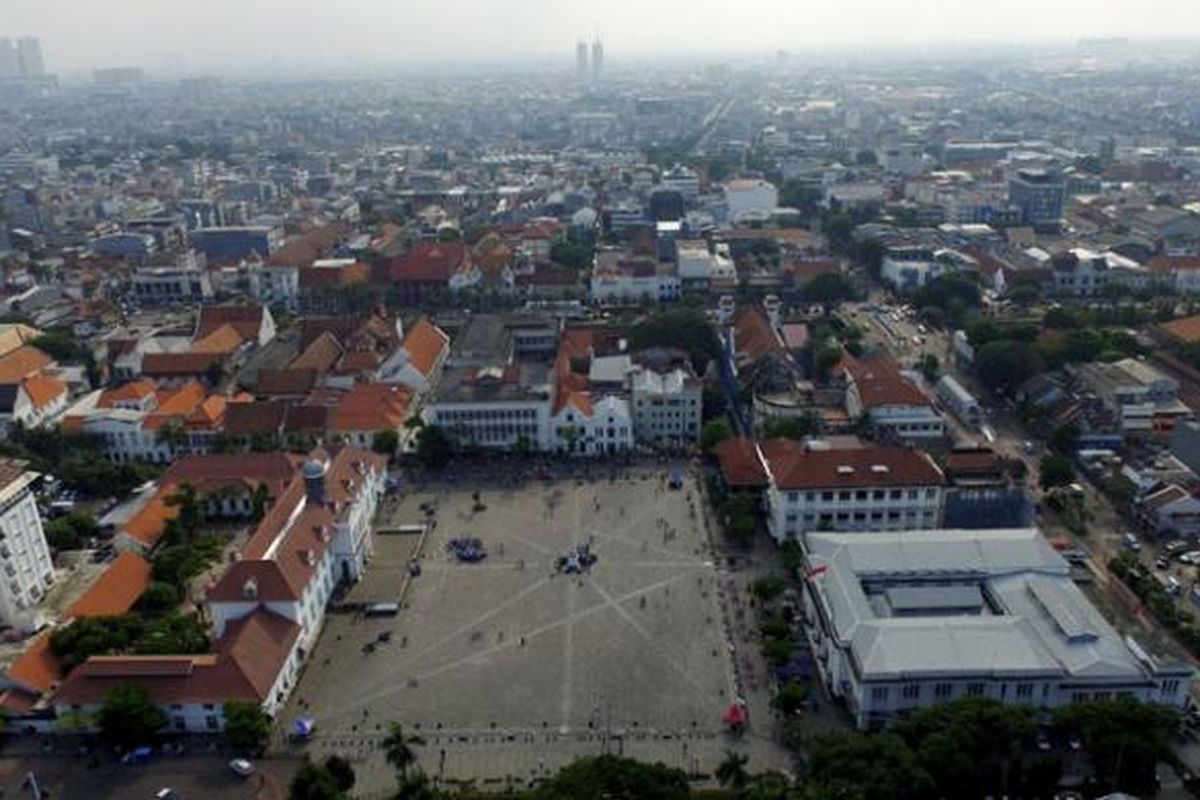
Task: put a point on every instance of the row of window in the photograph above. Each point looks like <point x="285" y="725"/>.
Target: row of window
<point x="1021" y="692"/>
<point x="862" y="494"/>
<point x="451" y="416"/>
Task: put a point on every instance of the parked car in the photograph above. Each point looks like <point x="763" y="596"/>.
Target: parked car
<point x="1131" y="542"/>
<point x="1174" y="546"/>
<point x="242" y="767"/>
<point x="1190" y="557"/>
<point x="1162" y="562"/>
<point x="1043" y="741"/>
<point x="1174" y="586"/>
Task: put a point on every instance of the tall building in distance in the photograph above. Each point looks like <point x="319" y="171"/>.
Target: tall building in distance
<point x="8" y="59"/>
<point x="29" y="57"/>
<point x="581" y="59"/>
<point x="1039" y="194"/>
<point x="597" y="58"/>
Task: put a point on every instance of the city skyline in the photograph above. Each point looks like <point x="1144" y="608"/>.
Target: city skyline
<point x="374" y="33"/>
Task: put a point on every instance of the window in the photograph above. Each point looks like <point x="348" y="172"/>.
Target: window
<point x="1170" y="686"/>
<point x="211" y="723"/>
<point x="911" y="691"/>
<point x="1024" y="691"/>
<point x="975" y="689"/>
<point x="942" y="691"/>
<point x="879" y="695"/>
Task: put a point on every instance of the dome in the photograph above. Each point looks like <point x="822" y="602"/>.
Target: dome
<point x="313" y="469"/>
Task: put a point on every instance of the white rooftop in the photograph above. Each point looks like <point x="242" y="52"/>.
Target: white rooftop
<point x="1034" y="619"/>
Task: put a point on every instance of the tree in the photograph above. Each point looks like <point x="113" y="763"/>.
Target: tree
<point x="797" y="428"/>
<point x="928" y="366"/>
<point x="1065" y="439"/>
<point x="685" y="328"/>
<point x="768" y="588"/>
<point x="1004" y="364"/>
<point x="71" y="532"/>
<point x="247" y="726"/>
<point x="315" y="782"/>
<point x="829" y="289"/>
<point x="172" y="435"/>
<point x="397" y="749"/>
<point x="1056" y="471"/>
<point x="731" y="772"/>
<point x="714" y="432"/>
<point x="342" y="772"/>
<point x="970" y="745"/>
<point x="191" y="511"/>
<point x="386" y="442"/>
<point x="434" y="446"/>
<point x="879" y="766"/>
<point x="127" y="716"/>
<point x="1124" y="738"/>
<point x="608" y="776"/>
<point x="791" y="697"/>
<point x="739" y="511"/>
<point x="159" y="598"/>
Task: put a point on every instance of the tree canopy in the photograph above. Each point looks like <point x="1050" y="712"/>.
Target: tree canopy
<point x="607" y="777"/>
<point x="127" y="716"/>
<point x="1004" y="364"/>
<point x="685" y="328"/>
<point x="247" y="726"/>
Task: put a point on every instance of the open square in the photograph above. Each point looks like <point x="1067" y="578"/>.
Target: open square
<point x="511" y="644"/>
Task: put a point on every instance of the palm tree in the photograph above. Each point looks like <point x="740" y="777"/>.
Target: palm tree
<point x="191" y="510"/>
<point x="397" y="750"/>
<point x="731" y="772"/>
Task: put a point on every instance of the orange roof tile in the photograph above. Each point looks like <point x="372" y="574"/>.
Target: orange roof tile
<point x="115" y="592"/>
<point x="223" y="340"/>
<point x="21" y="363"/>
<point x="371" y="407"/>
<point x="43" y="390"/>
<point x="426" y="344"/>
<point x="37" y="668"/>
<point x="148" y="524"/>
<point x="133" y="390"/>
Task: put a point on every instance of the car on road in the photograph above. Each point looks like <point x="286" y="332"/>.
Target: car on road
<point x="1173" y="586"/>
<point x="242" y="767"/>
<point x="167" y="793"/>
<point x="1043" y="741"/>
<point x="1131" y="542"/>
<point x="1074" y="742"/>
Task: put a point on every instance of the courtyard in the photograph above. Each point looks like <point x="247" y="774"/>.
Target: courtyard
<point x="512" y="650"/>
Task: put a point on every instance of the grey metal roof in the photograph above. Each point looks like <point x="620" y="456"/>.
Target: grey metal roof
<point x="1043" y="624"/>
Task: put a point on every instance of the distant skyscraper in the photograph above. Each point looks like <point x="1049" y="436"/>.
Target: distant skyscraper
<point x="29" y="57"/>
<point x="597" y="58"/>
<point x="8" y="59"/>
<point x="581" y="59"/>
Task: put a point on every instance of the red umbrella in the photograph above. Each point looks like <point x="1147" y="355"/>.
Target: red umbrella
<point x="735" y="714"/>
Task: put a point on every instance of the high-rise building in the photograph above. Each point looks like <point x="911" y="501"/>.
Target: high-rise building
<point x="29" y="57"/>
<point x="1039" y="194"/>
<point x="8" y="59"/>
<point x="24" y="553"/>
<point x="581" y="59"/>
<point x="597" y="58"/>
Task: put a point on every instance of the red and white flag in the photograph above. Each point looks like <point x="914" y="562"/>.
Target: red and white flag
<point x="817" y="571"/>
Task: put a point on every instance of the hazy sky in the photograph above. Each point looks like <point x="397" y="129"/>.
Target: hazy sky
<point x="191" y="35"/>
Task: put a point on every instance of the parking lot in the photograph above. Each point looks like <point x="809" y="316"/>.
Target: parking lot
<point x="511" y="646"/>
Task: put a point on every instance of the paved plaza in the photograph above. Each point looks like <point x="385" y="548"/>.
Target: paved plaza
<point x="510" y="654"/>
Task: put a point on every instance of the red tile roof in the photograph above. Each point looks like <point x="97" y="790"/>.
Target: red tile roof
<point x="879" y="383"/>
<point x="248" y="659"/>
<point x="168" y="365"/>
<point x="795" y="466"/>
<point x="371" y="407"/>
<point x="246" y="318"/>
<point x="428" y="262"/>
<point x="115" y="591"/>
<point x="21" y="363"/>
<point x="740" y="465"/>
<point x="426" y="344"/>
<point x="753" y="336"/>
